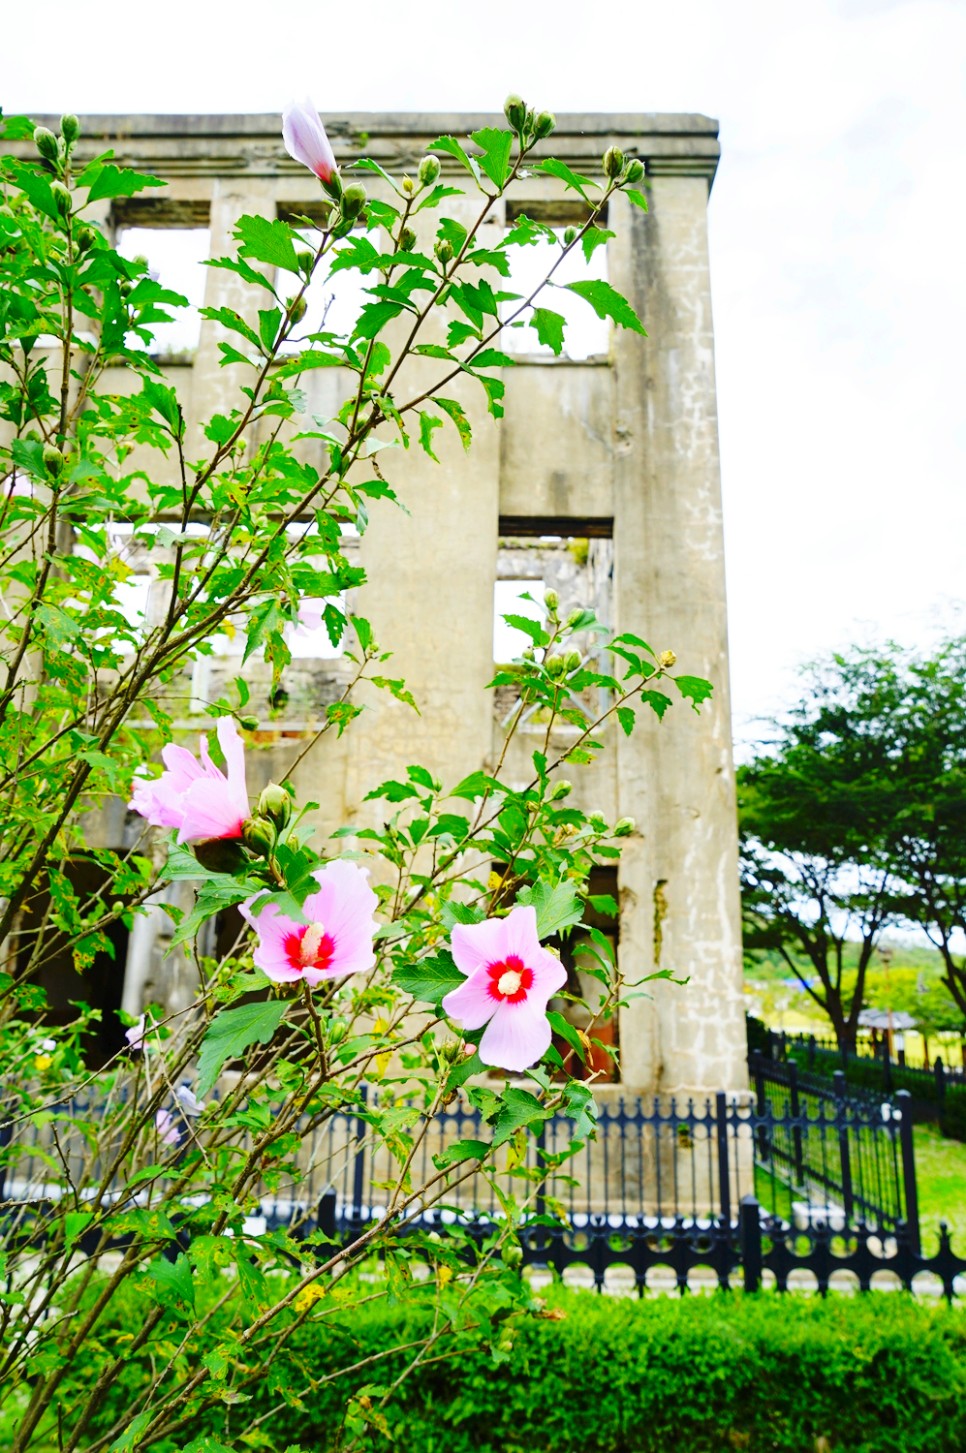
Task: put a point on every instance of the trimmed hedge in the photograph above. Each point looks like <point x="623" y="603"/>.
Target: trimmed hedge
<point x="877" y="1373"/>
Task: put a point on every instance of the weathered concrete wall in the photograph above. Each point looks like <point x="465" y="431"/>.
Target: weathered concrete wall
<point x="628" y="438"/>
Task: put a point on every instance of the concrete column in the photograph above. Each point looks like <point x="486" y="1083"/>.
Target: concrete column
<point x="216" y="389"/>
<point x="680" y="878"/>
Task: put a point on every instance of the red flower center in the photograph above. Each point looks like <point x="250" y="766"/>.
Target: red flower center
<point x="509" y="980"/>
<point x="309" y="948"/>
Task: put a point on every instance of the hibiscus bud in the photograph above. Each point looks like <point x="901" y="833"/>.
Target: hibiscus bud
<point x="259" y="834"/>
<point x="561" y="790"/>
<point x="407" y="239"/>
<point x="555" y="665"/>
<point x="634" y="170"/>
<point x="450" y="1051"/>
<point x="353" y="199"/>
<point x="613" y="161"/>
<point x="444" y="252"/>
<point x="515" y="111"/>
<point x="61" y="197"/>
<point x="544" y="122"/>
<point x="117" y="908"/>
<point x="69" y="128"/>
<point x="408" y="186"/>
<point x="85" y="238"/>
<point x="46" y="143"/>
<point x="220" y="855"/>
<point x="573" y="660"/>
<point x="529" y="654"/>
<point x="248" y="723"/>
<point x="552" y="601"/>
<point x="570" y="235"/>
<point x="512" y="1255"/>
<point x="624" y="826"/>
<point x="275" y="804"/>
<point x="428" y="170"/>
<point x="337" y="1030"/>
<point x="53" y="460"/>
<point x="666" y="659"/>
<point x="296" y="308"/>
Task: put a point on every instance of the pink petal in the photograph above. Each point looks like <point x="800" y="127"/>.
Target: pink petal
<point x="305" y="139"/>
<point x="233" y="749"/>
<point x="516" y="1037"/>
<point x="475" y="945"/>
<point x="344" y="904"/>
<point x="472" y="1004"/>
<point x="156" y="804"/>
<point x="209" y="811"/>
<point x="272" y="929"/>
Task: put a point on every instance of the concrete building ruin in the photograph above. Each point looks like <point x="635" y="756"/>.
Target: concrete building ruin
<point x="602" y="481"/>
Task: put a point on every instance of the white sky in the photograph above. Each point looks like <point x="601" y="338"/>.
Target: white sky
<point x="836" y="241"/>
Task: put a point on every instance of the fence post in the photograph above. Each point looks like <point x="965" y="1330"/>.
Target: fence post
<point x="811" y="1052"/>
<point x="909" y="1168"/>
<point x="359" y="1165"/>
<point x="761" y="1103"/>
<point x="886" y="1065"/>
<point x="842" y="1121"/>
<point x="749" y="1239"/>
<point x="939" y="1070"/>
<point x="724" y="1173"/>
<point x="796" y="1109"/>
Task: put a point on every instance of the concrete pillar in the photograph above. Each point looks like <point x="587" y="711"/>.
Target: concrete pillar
<point x="680" y="877"/>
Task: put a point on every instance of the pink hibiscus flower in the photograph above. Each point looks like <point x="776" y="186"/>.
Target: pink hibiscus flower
<point x="510" y="979"/>
<point x="306" y="141"/>
<point x="167" y="1128"/>
<point x="336" y="940"/>
<point x="195" y="796"/>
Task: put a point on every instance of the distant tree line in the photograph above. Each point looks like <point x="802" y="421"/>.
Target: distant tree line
<point x="853" y="822"/>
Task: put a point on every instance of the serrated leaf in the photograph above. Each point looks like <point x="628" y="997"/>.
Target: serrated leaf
<point x="496" y="146"/>
<point x="430" y="979"/>
<point x="637" y="198"/>
<point x="626" y="717"/>
<point x="477" y="784"/>
<point x="113" y="181"/>
<point x="657" y="701"/>
<point x="374" y="317"/>
<point x="427" y="424"/>
<point x="458" y="416"/>
<point x="518" y="1109"/>
<point x="174" y="1286"/>
<point x="461" y="1151"/>
<point x="566" y="1030"/>
<point x="574" y="181"/>
<point x="231" y="1032"/>
<point x="558" y="906"/>
<point x="530" y="627"/>
<point x="549" y="328"/>
<point x="267" y="240"/>
<point x="694" y="689"/>
<point x="607" y="302"/>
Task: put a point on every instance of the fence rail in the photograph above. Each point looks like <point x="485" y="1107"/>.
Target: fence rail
<point x="797" y="1177"/>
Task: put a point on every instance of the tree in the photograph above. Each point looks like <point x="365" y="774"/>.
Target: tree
<point x="815" y="812"/>
<point x="854" y="817"/>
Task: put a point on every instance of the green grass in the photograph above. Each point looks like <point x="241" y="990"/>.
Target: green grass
<point x="941" y="1182"/>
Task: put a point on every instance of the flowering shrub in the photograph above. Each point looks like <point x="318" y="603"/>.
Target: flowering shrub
<point x="374" y="1001"/>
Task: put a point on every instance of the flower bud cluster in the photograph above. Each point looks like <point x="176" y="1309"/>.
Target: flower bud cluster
<point x="530" y="126"/>
<point x="621" y="168"/>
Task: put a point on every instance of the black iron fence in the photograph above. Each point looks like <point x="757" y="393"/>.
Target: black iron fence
<point x="937" y="1092"/>
<point x="795" y="1177"/>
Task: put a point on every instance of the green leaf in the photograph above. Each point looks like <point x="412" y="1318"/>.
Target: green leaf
<point x="637" y="198"/>
<point x="607" y="302"/>
<point x="593" y="238"/>
<point x="566" y="1030"/>
<point x="450" y="145"/>
<point x="477" y="784"/>
<point x="694" y="689"/>
<point x="230" y="1034"/>
<point x="574" y="181"/>
<point x="430" y="979"/>
<point x="164" y="401"/>
<point x="460" y="1151"/>
<point x="626" y="717"/>
<point x="549" y="328"/>
<point x="530" y="627"/>
<point x="557" y="906"/>
<point x="374" y="317"/>
<point x="427" y="424"/>
<point x="112" y="181"/>
<point x="496" y="146"/>
<point x="268" y="322"/>
<point x="267" y="240"/>
<point x="174" y="1287"/>
<point x="458" y="416"/>
<point x="657" y="701"/>
<point x="518" y="1109"/>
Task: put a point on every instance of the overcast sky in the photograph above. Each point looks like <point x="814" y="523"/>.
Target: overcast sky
<point x="836" y="241"/>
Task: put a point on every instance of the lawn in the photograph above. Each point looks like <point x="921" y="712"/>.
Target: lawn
<point x="941" y="1181"/>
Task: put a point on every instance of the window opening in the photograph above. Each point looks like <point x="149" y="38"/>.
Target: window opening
<point x="175" y="258"/>
<point x="585" y="335"/>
